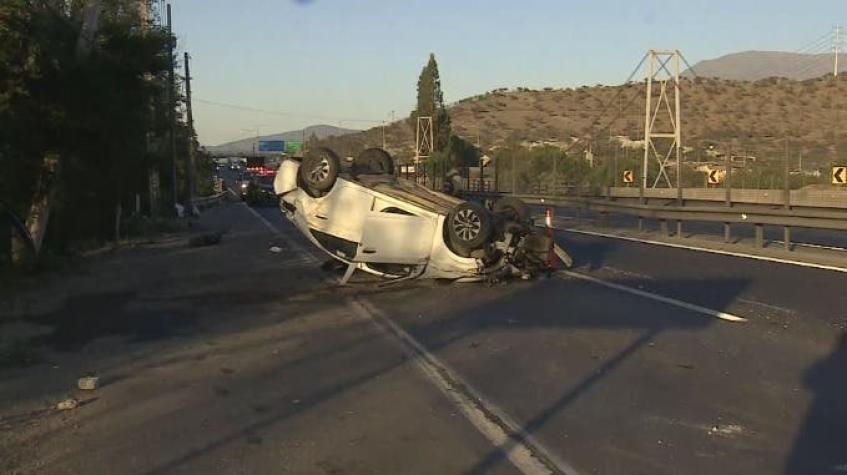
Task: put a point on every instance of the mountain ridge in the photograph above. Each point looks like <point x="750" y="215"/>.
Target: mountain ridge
<point x="246" y="145"/>
<point x="753" y="65"/>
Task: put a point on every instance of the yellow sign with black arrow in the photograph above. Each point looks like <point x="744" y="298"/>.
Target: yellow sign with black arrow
<point x="714" y="176"/>
<point x="839" y="175"/>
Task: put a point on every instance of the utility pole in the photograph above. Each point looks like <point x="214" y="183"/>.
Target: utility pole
<point x="836" y="50"/>
<point x="481" y="164"/>
<point x="190" y="117"/>
<point x="171" y="107"/>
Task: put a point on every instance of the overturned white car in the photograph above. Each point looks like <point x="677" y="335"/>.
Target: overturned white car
<point x="362" y="215"/>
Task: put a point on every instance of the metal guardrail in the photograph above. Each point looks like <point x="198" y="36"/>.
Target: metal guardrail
<point x="804" y="197"/>
<point x="759" y="214"/>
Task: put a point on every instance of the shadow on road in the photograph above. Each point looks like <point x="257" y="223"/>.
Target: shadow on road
<point x="526" y="305"/>
<point x="821" y="445"/>
<point x="336" y="361"/>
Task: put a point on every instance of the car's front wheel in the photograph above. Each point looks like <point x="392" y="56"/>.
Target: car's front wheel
<point x="469" y="227"/>
<point x="319" y="170"/>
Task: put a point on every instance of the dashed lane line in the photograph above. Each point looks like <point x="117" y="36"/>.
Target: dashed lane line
<point x="659" y="298"/>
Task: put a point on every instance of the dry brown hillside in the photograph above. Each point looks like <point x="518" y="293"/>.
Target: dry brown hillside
<point x="748" y="116"/>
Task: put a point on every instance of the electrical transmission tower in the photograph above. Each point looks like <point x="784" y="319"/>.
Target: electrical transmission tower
<point x="662" y="121"/>
<point x="423" y="139"/>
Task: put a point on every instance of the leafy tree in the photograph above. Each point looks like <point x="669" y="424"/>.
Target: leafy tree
<point x="431" y="103"/>
<point x="99" y="117"/>
<point x="461" y="153"/>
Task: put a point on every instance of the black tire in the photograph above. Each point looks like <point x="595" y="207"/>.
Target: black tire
<point x="448" y="188"/>
<point x="373" y="161"/>
<point x="511" y="209"/>
<point x="469" y="227"/>
<point x="318" y="171"/>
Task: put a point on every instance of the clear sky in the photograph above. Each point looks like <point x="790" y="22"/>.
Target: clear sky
<point x="332" y="61"/>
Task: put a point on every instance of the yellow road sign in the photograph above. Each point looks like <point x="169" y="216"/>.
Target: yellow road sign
<point x="715" y="176"/>
<point x="839" y="175"/>
<point x="628" y="176"/>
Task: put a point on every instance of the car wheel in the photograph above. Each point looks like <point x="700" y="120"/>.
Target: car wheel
<point x="448" y="188"/>
<point x="319" y="170"/>
<point x="511" y="209"/>
<point x="374" y="161"/>
<point x="469" y="228"/>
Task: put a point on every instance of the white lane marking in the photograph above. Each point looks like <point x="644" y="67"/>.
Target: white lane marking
<point x="519" y="447"/>
<point x="706" y="249"/>
<point x="815" y="246"/>
<point x="264" y="221"/>
<point x="659" y="298"/>
<point x="767" y="306"/>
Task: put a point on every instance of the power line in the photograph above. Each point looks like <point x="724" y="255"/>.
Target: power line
<point x="811" y="47"/>
<point x="814" y="63"/>
<point x="605" y="109"/>
<point x="288" y="114"/>
<point x="806" y="63"/>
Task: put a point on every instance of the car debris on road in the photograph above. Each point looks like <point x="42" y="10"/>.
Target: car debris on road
<point x="88" y="383"/>
<point x="67" y="404"/>
<point x="364" y="216"/>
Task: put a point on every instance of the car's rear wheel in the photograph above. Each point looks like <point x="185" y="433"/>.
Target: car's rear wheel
<point x="469" y="228"/>
<point x="511" y="209"/>
<point x="374" y="161"/>
<point x="319" y="170"/>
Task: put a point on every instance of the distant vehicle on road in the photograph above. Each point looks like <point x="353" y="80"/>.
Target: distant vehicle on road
<point x="260" y="191"/>
<point x="254" y="164"/>
<point x="242" y="183"/>
<point x="365" y="217"/>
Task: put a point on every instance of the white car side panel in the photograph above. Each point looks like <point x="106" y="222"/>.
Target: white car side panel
<point x="341" y="212"/>
<point x="286" y="177"/>
<point x="396" y="238"/>
<point x="382" y="201"/>
<point x="444" y="263"/>
<point x="353" y="212"/>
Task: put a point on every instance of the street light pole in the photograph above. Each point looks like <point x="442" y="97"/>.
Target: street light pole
<point x="171" y="107"/>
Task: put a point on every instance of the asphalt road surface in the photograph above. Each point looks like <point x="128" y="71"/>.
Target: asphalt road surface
<point x="640" y="360"/>
<point x="612" y="382"/>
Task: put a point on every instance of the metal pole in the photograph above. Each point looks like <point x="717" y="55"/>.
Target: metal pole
<point x="836" y="49"/>
<point x="190" y="117"/>
<point x="785" y="183"/>
<point x="481" y="171"/>
<point x="728" y="178"/>
<point x="678" y="138"/>
<point x="171" y="108"/>
<point x="647" y="110"/>
<point x="555" y="175"/>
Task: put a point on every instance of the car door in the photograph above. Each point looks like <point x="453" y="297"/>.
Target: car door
<point x="342" y="212"/>
<point x="396" y="238"/>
